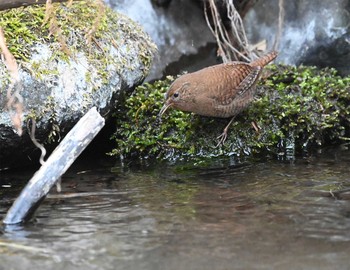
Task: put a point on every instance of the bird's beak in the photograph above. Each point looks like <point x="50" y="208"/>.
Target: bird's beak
<point x="164" y="108"/>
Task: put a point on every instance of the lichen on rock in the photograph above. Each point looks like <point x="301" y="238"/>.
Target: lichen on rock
<point x="106" y="54"/>
<point x="295" y="109"/>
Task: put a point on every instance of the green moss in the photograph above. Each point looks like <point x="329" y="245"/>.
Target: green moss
<point x="23" y="27"/>
<point x="87" y="33"/>
<point x="295" y="108"/>
<point x="308" y="107"/>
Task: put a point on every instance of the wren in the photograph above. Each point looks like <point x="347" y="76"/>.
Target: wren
<point x="222" y="90"/>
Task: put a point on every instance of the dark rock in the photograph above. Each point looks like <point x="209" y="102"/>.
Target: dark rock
<point x="335" y="54"/>
<point x="161" y="3"/>
<point x="314" y="32"/>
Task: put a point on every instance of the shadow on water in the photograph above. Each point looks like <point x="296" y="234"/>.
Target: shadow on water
<point x="251" y="215"/>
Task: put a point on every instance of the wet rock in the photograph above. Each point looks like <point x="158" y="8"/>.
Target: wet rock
<point x="179" y="30"/>
<point x="161" y="3"/>
<point x="334" y="54"/>
<point x="58" y="87"/>
<point x="314" y="32"/>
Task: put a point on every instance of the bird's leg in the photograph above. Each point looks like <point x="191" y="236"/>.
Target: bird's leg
<point x="255" y="126"/>
<point x="222" y="138"/>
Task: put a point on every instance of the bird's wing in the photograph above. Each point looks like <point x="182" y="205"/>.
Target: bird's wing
<point x="237" y="96"/>
<point x="249" y="81"/>
<point x="235" y="80"/>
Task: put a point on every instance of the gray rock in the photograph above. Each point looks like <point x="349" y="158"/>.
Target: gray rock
<point x="58" y="89"/>
<point x="178" y="30"/>
<point x="314" y="32"/>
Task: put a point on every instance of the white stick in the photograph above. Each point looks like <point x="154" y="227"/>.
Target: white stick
<point x="57" y="164"/>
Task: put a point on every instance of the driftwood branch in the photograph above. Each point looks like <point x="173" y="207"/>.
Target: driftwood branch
<point x="57" y="164"/>
<point x="7" y="4"/>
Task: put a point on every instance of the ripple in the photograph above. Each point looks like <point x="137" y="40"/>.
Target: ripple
<point x="279" y="212"/>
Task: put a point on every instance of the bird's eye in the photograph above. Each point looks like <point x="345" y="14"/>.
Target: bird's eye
<point x="176" y="95"/>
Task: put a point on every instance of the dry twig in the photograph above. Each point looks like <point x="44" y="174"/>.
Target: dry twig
<point x="232" y="42"/>
<point x="96" y="23"/>
<point x="31" y="132"/>
<point x="232" y="45"/>
<point x="50" y="18"/>
<point x="280" y="24"/>
<point x="14" y="99"/>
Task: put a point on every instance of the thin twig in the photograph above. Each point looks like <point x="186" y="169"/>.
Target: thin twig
<point x="232" y="45"/>
<point x="280" y="24"/>
<point x="14" y="103"/>
<point x="100" y="12"/>
<point x="31" y="132"/>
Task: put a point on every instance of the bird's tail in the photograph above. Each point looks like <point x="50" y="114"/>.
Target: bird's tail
<point x="264" y="60"/>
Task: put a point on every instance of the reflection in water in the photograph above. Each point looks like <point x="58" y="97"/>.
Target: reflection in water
<point x="253" y="215"/>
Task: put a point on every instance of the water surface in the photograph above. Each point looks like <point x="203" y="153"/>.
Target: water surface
<point x="223" y="214"/>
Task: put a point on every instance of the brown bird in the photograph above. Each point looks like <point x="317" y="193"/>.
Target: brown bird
<point x="218" y="91"/>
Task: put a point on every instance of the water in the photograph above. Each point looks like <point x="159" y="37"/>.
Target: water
<point x="264" y="214"/>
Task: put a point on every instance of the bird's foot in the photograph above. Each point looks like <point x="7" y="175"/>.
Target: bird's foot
<point x="222" y="138"/>
<point x="256" y="127"/>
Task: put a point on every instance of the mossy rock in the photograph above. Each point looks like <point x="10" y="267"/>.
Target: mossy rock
<point x="295" y="110"/>
<point x="94" y="54"/>
<point x="85" y="55"/>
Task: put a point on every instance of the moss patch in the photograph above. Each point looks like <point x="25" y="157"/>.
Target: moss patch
<point x="104" y="52"/>
<point x="79" y="30"/>
<point x="295" y="108"/>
